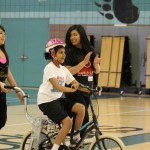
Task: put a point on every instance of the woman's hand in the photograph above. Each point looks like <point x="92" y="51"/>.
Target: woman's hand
<point x="97" y="60"/>
<point x="74" y="87"/>
<point x="2" y="89"/>
<point x="87" y="57"/>
<point x="96" y="64"/>
<point x="20" y="96"/>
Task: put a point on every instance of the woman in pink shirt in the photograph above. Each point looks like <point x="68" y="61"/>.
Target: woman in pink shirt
<point x="5" y="75"/>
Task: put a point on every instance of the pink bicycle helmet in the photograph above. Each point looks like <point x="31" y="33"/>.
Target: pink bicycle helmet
<point x="53" y="43"/>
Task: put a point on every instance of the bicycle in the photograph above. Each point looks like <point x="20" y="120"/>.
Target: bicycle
<point x="44" y="131"/>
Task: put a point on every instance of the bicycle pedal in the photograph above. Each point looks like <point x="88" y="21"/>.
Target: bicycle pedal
<point x="48" y="146"/>
<point x="63" y="147"/>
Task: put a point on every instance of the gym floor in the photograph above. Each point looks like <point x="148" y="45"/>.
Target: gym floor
<point x="126" y="117"/>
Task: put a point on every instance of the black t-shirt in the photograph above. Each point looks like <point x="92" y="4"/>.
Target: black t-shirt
<point x="4" y="70"/>
<point x="74" y="57"/>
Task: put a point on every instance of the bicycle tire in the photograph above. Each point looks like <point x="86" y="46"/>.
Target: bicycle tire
<point x="26" y="141"/>
<point x="107" y="142"/>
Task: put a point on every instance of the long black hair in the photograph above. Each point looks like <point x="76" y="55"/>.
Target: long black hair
<point x="2" y="47"/>
<point x="86" y="46"/>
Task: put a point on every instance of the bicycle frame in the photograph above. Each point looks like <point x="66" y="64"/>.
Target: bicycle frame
<point x="38" y="123"/>
<point x="40" y="129"/>
<point x="93" y="124"/>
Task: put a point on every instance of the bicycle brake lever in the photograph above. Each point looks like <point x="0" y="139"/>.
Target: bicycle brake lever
<point x="99" y="90"/>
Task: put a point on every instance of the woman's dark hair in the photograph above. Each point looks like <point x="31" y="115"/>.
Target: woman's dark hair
<point x="48" y="55"/>
<point x="86" y="46"/>
<point x="2" y="47"/>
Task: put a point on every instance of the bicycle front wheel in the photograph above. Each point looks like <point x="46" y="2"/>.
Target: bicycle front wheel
<point x="107" y="142"/>
<point x="27" y="141"/>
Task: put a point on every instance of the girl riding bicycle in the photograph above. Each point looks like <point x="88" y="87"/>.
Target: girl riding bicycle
<point x="50" y="99"/>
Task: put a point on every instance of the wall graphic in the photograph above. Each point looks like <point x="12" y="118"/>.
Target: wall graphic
<point x="124" y="10"/>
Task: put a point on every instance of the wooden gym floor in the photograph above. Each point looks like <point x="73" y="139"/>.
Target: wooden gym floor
<point x="127" y="117"/>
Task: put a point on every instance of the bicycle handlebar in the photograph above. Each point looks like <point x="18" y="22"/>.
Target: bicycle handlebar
<point x="26" y="96"/>
<point x="16" y="88"/>
<point x="9" y="87"/>
<point x="30" y="118"/>
<point x="91" y="90"/>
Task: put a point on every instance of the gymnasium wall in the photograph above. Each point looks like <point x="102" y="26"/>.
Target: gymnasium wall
<point x="99" y="17"/>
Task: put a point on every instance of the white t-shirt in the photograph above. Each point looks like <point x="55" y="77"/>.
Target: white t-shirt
<point x="47" y="92"/>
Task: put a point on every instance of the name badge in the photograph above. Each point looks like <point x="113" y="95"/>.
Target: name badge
<point x="90" y="78"/>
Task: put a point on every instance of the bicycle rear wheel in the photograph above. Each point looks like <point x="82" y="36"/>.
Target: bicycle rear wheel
<point x="107" y="142"/>
<point x="43" y="145"/>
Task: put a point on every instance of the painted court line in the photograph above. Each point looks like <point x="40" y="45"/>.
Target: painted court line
<point x="125" y="112"/>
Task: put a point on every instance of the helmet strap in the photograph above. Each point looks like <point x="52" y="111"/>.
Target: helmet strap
<point x="52" y="51"/>
<point x="53" y="54"/>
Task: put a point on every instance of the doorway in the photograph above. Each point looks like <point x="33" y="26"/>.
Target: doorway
<point x="25" y="44"/>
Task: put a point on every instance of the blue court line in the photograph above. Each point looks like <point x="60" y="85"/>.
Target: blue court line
<point x="128" y="140"/>
<point x="136" y="139"/>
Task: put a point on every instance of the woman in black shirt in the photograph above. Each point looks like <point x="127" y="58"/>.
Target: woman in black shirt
<point x="82" y="62"/>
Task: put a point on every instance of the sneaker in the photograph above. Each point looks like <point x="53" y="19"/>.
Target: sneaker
<point x="73" y="143"/>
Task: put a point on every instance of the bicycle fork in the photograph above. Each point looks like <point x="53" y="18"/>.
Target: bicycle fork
<point x="33" y="144"/>
<point x="36" y="136"/>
